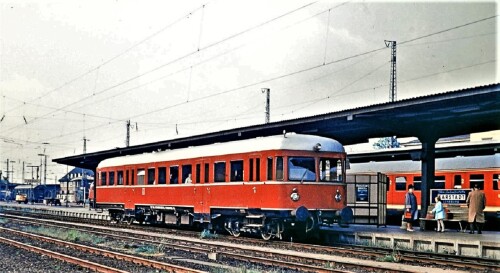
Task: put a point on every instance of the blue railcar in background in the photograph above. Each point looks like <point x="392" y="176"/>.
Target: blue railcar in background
<point x="38" y="193"/>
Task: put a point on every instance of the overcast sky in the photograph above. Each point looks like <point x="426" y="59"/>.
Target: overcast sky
<point x="75" y="69"/>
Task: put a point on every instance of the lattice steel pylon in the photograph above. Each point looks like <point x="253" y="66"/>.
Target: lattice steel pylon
<point x="393" y="87"/>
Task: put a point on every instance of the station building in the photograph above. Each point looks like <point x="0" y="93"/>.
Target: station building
<point x="75" y="185"/>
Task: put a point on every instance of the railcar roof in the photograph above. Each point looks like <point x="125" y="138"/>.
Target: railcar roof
<point x="406" y="166"/>
<point x="278" y="142"/>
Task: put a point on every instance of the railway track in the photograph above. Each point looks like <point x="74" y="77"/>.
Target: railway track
<point x="320" y="260"/>
<point x="96" y="253"/>
<point x="63" y="257"/>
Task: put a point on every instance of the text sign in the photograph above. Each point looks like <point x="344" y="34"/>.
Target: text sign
<point x="362" y="193"/>
<point x="31" y="180"/>
<point x="454" y="196"/>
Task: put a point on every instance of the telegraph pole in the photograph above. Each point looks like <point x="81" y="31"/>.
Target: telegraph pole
<point x="268" y="101"/>
<point x="23" y="173"/>
<point x="45" y="169"/>
<point x="127" y="140"/>
<point x="392" y="90"/>
<point x="8" y="169"/>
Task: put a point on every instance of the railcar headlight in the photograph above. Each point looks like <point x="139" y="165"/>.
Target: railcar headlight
<point x="295" y="195"/>
<point x="338" y="196"/>
<point x="317" y="147"/>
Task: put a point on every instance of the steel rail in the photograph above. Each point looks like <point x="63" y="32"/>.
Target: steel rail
<point x="259" y="256"/>
<point x="107" y="253"/>
<point x="63" y="257"/>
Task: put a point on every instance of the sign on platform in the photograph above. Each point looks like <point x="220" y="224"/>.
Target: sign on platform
<point x="362" y="192"/>
<point x="27" y="181"/>
<point x="455" y="196"/>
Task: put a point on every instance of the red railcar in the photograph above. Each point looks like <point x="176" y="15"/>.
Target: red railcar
<point x="453" y="176"/>
<point x="267" y="185"/>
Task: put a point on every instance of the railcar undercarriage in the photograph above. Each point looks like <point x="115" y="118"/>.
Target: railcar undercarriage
<point x="268" y="224"/>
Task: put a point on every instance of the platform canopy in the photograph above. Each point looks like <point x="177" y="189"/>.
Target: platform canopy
<point x="435" y="116"/>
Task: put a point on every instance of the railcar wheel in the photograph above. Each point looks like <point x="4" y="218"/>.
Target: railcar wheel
<point x="271" y="229"/>
<point x="232" y="227"/>
<point x="266" y="235"/>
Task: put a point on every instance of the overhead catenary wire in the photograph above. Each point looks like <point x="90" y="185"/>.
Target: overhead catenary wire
<point x="182" y="57"/>
<point x="312" y="101"/>
<point x="96" y="68"/>
<point x="317" y="66"/>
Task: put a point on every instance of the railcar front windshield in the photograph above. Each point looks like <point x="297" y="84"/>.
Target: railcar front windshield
<point x="304" y="169"/>
<point x="301" y="169"/>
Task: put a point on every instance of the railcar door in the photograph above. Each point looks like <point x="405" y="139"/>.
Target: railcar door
<point x="200" y="181"/>
<point x="127" y="188"/>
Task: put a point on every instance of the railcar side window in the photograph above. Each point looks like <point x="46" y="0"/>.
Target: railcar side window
<point x="198" y="174"/>
<point x="174" y="174"/>
<point x="250" y="177"/>
<point x="151" y="176"/>
<point x="119" y="175"/>
<point x="207" y="172"/>
<point x="257" y="169"/>
<point x="237" y="171"/>
<point x="400" y="183"/>
<point x="301" y="169"/>
<point x="104" y="177"/>
<point x="220" y="172"/>
<point x="132" y="178"/>
<point x="140" y="176"/>
<point x="477" y="179"/>
<point x="186" y="171"/>
<point x="496" y="182"/>
<point x="111" y="178"/>
<point x="126" y="177"/>
<point x="457" y="181"/>
<point x="439" y="182"/>
<point x="330" y="169"/>
<point x="269" y="168"/>
<point x="279" y="168"/>
<point x="162" y="175"/>
<point x="417" y="183"/>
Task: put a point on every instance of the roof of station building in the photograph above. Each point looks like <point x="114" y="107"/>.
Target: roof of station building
<point x="464" y="111"/>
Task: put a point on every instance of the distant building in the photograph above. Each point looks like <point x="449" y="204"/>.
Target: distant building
<point x="75" y="185"/>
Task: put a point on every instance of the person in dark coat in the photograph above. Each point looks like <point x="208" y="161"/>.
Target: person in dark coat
<point x="476" y="201"/>
<point x="412" y="207"/>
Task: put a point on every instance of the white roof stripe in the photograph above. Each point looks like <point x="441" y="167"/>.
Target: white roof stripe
<point x="290" y="142"/>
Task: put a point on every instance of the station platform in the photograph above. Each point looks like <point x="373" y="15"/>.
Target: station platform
<point x="486" y="245"/>
<point x="72" y="210"/>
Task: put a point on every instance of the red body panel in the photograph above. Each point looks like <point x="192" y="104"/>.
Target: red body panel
<point x="270" y="194"/>
<point x="202" y="197"/>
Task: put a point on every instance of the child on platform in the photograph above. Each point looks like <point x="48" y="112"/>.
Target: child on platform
<point x="439" y="214"/>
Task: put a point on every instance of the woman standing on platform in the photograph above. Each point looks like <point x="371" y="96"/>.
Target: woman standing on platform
<point x="438" y="211"/>
<point x="411" y="208"/>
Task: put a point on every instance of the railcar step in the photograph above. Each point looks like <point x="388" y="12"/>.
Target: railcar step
<point x="253" y="225"/>
<point x="255" y="216"/>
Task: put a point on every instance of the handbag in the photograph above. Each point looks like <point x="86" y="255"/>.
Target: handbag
<point x="407" y="214"/>
<point x="430" y="216"/>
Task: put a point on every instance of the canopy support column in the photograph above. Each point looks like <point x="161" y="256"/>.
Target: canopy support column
<point x="428" y="157"/>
